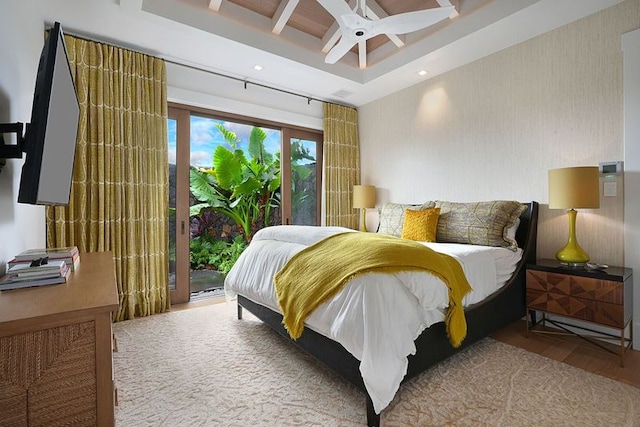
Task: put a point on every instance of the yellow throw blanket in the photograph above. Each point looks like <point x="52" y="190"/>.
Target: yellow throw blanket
<point x="319" y="272"/>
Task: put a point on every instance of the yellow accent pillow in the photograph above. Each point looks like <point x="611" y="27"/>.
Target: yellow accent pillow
<point x="420" y="225"/>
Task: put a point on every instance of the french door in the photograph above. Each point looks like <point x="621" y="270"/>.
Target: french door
<point x="302" y="177"/>
<point x="193" y="136"/>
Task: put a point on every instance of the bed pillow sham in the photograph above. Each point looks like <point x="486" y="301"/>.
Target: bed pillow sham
<point x="479" y="223"/>
<point x="392" y="216"/>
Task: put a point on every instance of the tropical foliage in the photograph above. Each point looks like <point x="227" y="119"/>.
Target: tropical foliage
<point x="243" y="189"/>
<point x="207" y="251"/>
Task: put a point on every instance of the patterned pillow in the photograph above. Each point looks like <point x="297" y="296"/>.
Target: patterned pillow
<point x="420" y="225"/>
<point x="392" y="216"/>
<point x="479" y="223"/>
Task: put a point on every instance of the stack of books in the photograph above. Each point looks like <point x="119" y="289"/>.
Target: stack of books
<point x="38" y="272"/>
<point x="69" y="255"/>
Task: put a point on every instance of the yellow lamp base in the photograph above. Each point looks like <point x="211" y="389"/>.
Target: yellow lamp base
<point x="572" y="254"/>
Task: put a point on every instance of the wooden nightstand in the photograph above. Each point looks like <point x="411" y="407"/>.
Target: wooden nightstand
<point x="600" y="297"/>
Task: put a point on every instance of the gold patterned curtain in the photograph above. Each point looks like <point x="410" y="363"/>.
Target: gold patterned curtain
<point x="119" y="195"/>
<point x="341" y="164"/>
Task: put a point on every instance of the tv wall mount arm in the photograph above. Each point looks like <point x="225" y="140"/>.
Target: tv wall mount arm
<point x="12" y="151"/>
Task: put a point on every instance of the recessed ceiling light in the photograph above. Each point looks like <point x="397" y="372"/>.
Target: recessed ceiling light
<point x="422" y="72"/>
<point x="257" y="67"/>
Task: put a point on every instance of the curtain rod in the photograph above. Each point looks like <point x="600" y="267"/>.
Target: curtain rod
<point x="193" y="67"/>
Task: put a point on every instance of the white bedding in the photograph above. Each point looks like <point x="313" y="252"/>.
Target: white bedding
<point x="377" y="316"/>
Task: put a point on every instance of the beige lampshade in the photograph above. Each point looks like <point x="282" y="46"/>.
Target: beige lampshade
<point x="364" y="196"/>
<point x="574" y="188"/>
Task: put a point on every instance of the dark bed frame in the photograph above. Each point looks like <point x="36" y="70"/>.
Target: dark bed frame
<point x="499" y="310"/>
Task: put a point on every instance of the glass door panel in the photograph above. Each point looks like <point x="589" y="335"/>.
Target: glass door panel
<point x="302" y="177"/>
<point x="304" y="180"/>
<point x="172" y="132"/>
<point x="203" y="278"/>
<point x="217" y="237"/>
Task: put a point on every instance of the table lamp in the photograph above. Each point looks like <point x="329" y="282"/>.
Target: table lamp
<point x="364" y="196"/>
<point x="574" y="188"/>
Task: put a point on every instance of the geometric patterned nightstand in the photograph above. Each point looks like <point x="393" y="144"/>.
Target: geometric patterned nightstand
<point x="601" y="297"/>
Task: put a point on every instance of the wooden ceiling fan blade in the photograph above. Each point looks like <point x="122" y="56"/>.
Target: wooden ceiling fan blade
<point x="410" y="21"/>
<point x="339" y="50"/>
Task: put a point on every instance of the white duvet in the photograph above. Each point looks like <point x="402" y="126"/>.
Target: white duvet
<point x="377" y="316"/>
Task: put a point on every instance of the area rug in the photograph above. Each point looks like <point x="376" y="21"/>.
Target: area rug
<point x="204" y="367"/>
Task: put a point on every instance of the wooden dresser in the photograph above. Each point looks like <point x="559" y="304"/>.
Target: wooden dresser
<point x="56" y="365"/>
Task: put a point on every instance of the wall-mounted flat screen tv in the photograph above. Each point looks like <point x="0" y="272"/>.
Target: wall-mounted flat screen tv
<point x="50" y="138"/>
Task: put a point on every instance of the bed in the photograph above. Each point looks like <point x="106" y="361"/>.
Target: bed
<point x="323" y="335"/>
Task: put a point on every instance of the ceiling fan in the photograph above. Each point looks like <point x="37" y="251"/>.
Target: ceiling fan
<point x="357" y="28"/>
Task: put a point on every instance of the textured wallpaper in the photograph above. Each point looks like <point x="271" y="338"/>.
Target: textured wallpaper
<point x="492" y="129"/>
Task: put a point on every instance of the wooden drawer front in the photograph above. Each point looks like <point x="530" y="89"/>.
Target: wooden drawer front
<point x="56" y="369"/>
<point x="577" y="286"/>
<point x="597" y="289"/>
<point x="577" y="308"/>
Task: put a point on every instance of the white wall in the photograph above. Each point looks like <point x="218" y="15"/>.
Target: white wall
<point x="21" y="38"/>
<point x="22" y="25"/>
<point x="202" y="89"/>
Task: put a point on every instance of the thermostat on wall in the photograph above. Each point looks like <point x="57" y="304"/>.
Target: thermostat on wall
<point x="610" y="168"/>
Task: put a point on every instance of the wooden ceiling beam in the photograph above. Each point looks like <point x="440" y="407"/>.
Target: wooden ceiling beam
<point x="283" y="14"/>
<point x="375" y="11"/>
<point x="330" y="38"/>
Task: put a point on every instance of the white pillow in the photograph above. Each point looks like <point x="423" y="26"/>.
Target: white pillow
<point x="511" y="231"/>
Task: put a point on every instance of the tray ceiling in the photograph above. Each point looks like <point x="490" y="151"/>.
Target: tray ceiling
<point x="291" y="38"/>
